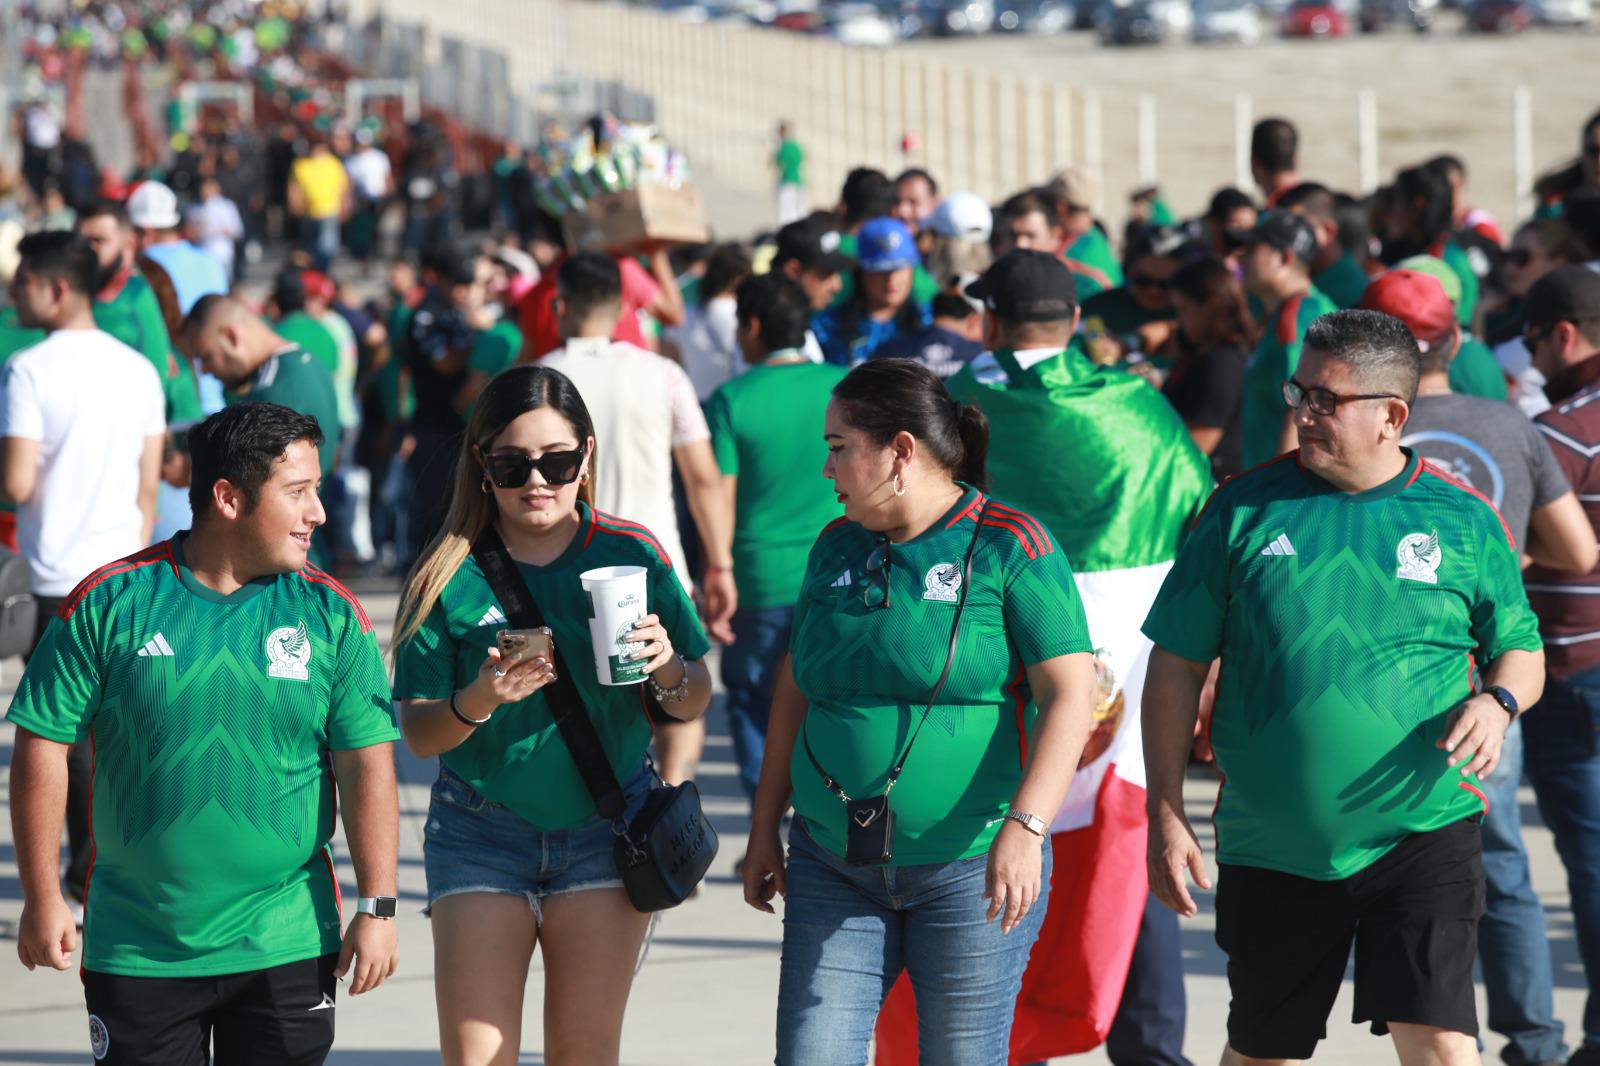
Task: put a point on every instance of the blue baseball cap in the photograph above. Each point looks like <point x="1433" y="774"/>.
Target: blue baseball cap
<point x="885" y="244"/>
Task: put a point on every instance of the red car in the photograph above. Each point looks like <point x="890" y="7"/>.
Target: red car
<point x="1314" y="18"/>
<point x="1500" y="16"/>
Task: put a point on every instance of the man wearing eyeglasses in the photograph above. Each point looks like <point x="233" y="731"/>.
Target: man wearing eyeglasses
<point x="1276" y="263"/>
<point x="1352" y="591"/>
<point x="1561" y="316"/>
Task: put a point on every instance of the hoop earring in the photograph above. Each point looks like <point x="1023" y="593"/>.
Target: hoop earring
<point x="898" y="486"/>
<point x="488" y="487"/>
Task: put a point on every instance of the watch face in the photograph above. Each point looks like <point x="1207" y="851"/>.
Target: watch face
<point x="385" y="907"/>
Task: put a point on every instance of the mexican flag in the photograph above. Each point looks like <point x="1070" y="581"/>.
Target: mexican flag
<point x="1098" y="456"/>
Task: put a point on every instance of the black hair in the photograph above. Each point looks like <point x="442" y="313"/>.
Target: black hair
<point x="1227" y="200"/>
<point x="952" y="305"/>
<point x="1590" y="125"/>
<point x="1150" y="239"/>
<point x="589" y="281"/>
<point x="1354" y="216"/>
<point x="725" y="265"/>
<point x="1378" y="347"/>
<point x="1428" y="194"/>
<point x="240" y="445"/>
<point x="289" y="292"/>
<point x="1039" y="200"/>
<point x="104" y="208"/>
<point x="917" y="172"/>
<point x="882" y="397"/>
<point x="60" y="255"/>
<point x="779" y="303"/>
<point x="867" y="193"/>
<point x="1581" y="213"/>
<point x="1211" y="286"/>
<point x="1314" y="200"/>
<point x="1448" y="166"/>
<point x="512" y="393"/>
<point x="1274" y="144"/>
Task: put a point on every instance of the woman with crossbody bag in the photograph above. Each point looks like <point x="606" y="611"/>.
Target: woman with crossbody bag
<point x="939" y="691"/>
<point x="516" y="852"/>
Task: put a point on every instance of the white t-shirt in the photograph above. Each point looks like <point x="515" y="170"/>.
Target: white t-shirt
<point x="368" y="170"/>
<point x="91" y="402"/>
<point x="643" y="406"/>
<point x="708" y="344"/>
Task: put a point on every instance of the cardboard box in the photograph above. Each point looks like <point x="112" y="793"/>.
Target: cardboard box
<point x="626" y="219"/>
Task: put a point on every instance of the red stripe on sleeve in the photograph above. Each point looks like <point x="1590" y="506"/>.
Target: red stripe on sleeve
<point x="1017" y="531"/>
<point x="613" y="524"/>
<point x="1442" y="476"/>
<point x="320" y="577"/>
<point x="642" y="537"/>
<point x="156" y="553"/>
<point x="1041" y="540"/>
<point x="966" y="512"/>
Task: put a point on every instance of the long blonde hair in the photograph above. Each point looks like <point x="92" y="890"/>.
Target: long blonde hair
<point x="508" y="396"/>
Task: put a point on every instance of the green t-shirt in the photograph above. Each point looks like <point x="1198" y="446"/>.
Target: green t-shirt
<point x="496" y="348"/>
<point x="387" y="381"/>
<point x="790" y="159"/>
<point x="1476" y="372"/>
<point x="133" y="316"/>
<point x="867" y="674"/>
<point x="766" y="424"/>
<point x="312" y="336"/>
<point x="1346" y="625"/>
<point x="1456" y="259"/>
<point x="1118" y="313"/>
<point x="518" y="758"/>
<point x="293" y="379"/>
<point x="1092" y="250"/>
<point x="1274" y="362"/>
<point x="1344" y="282"/>
<point x="13" y="336"/>
<point x="213" y="799"/>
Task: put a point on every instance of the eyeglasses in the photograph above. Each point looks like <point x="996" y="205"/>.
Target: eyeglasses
<point x="1145" y="281"/>
<point x="1324" y="401"/>
<point x="876" y="594"/>
<point x="510" y="470"/>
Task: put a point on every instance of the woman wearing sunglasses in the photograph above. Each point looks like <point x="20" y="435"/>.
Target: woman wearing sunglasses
<point x="514" y="853"/>
<point x="1138" y="315"/>
<point x="925" y="727"/>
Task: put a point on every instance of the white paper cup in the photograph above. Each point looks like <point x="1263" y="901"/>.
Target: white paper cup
<point x="617" y="595"/>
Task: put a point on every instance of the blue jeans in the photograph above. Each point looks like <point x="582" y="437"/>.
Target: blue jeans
<point x="748" y="667"/>
<point x="848" y="931"/>
<point x="1148" y="1028"/>
<point x="1562" y="761"/>
<point x="1512" y="946"/>
<point x="320" y="237"/>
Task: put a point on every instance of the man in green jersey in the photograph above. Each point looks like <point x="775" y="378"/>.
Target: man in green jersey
<point x="766" y="428"/>
<point x="1351" y="591"/>
<point x="213" y="912"/>
<point x="296" y="324"/>
<point x="1276" y="263"/>
<point x="789" y="161"/>
<point x="1334" y="271"/>
<point x="1085" y="249"/>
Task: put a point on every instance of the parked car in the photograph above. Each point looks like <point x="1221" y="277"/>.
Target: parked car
<point x="951" y="18"/>
<point x="1374" y="15"/>
<point x="1032" y="16"/>
<point x="1145" y="21"/>
<point x="801" y="16"/>
<point x="857" y="22"/>
<point x="1237" y="21"/>
<point x="1500" y="16"/>
<point x="1314" y="18"/>
<point x="1564" y="12"/>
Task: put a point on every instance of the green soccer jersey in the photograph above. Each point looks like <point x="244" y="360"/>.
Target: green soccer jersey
<point x="294" y="379"/>
<point x="1093" y="251"/>
<point x="1274" y="362"/>
<point x="1476" y="372"/>
<point x="1456" y="258"/>
<point x="867" y="673"/>
<point x="211" y="719"/>
<point x="1117" y="313"/>
<point x="790" y="158"/>
<point x="496" y="348"/>
<point x="518" y="758"/>
<point x="1347" y="626"/>
<point x="133" y="316"/>
<point x="766" y="425"/>
<point x="312" y="336"/>
<point x="1344" y="282"/>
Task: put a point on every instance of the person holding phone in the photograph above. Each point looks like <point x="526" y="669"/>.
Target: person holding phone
<point x="515" y="854"/>
<point x="926" y="725"/>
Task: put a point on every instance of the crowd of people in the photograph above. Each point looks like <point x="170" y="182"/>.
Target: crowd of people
<point x="940" y="478"/>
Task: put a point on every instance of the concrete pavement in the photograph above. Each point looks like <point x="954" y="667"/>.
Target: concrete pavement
<point x="707" y="992"/>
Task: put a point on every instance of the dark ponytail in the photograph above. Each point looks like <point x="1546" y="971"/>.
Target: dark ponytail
<point x="888" y="396"/>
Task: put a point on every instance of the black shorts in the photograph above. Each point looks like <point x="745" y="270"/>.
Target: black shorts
<point x="280" y="1016"/>
<point x="1412" y="916"/>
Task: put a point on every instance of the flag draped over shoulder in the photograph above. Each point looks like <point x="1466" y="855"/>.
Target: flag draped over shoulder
<point x="1100" y="458"/>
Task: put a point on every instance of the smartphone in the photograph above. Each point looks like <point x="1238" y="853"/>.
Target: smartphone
<point x="529" y="643"/>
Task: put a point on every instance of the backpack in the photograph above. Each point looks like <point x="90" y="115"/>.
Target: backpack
<point x="19" y="611"/>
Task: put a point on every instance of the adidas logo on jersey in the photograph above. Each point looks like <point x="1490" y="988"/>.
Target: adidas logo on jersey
<point x="1280" y="546"/>
<point x="842" y="581"/>
<point x="156" y="646"/>
<point x="492" y="617"/>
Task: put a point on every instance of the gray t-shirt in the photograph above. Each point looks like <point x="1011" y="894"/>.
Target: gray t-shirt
<point x="1494" y="448"/>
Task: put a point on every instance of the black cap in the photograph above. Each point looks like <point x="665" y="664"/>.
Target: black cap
<point x="1283" y="230"/>
<point x="1566" y="294"/>
<point x="814" y="244"/>
<point x="1027" y="286"/>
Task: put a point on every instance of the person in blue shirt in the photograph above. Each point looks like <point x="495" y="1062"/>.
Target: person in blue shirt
<point x="948" y="343"/>
<point x="881" y="308"/>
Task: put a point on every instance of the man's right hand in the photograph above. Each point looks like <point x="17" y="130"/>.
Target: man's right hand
<point x="1173" y="849"/>
<point x="48" y="934"/>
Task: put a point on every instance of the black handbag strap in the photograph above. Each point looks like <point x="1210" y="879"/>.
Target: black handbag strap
<point x="828" y="781"/>
<point x="566" y="705"/>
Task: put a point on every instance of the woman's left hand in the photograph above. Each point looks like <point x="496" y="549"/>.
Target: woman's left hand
<point x="657" y="645"/>
<point x="1016" y="864"/>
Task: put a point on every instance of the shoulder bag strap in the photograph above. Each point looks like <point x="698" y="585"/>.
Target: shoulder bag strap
<point x="566" y="705"/>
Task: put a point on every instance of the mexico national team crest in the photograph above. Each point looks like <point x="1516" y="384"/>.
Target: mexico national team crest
<point x="942" y="583"/>
<point x="1419" y="556"/>
<point x="99" y="1038"/>
<point x="289" y="653"/>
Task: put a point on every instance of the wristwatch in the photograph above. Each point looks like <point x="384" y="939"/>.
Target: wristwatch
<point x="377" y="906"/>
<point x="1031" y="822"/>
<point x="1504" y="698"/>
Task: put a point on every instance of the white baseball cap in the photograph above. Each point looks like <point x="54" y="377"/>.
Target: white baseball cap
<point x="962" y="215"/>
<point x="153" y="206"/>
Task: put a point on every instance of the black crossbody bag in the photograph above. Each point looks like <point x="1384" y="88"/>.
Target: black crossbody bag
<point x="869" y="822"/>
<point x="665" y="851"/>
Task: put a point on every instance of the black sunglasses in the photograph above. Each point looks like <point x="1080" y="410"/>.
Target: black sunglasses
<point x="876" y="594"/>
<point x="1536" y="335"/>
<point x="1519" y="257"/>
<point x="1145" y="281"/>
<point x="1324" y="401"/>
<point x="510" y="470"/>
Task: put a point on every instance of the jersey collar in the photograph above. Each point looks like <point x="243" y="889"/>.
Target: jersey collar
<point x="1399" y="483"/>
<point x="963" y="508"/>
<point x="247" y="591"/>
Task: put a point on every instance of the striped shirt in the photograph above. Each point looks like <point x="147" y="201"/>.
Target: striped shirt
<point x="1568" y="604"/>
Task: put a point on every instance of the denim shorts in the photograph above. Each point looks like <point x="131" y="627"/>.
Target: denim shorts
<point x="473" y="845"/>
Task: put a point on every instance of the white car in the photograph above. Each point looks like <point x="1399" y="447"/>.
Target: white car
<point x="1564" y="12"/>
<point x="1238" y="21"/>
<point x="863" y="25"/>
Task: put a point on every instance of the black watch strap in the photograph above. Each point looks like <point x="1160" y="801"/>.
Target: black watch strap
<point x="1505" y="699"/>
